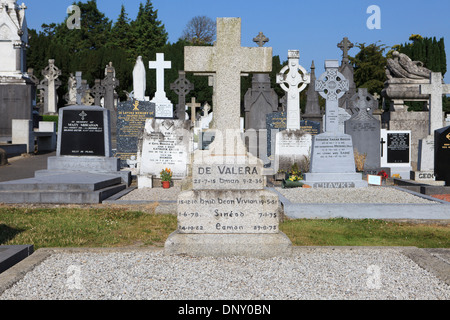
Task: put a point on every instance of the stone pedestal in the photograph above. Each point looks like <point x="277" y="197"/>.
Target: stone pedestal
<point x="228" y="212"/>
<point x="333" y="163"/>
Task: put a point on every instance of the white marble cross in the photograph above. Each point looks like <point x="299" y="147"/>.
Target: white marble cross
<point x="228" y="60"/>
<point x="435" y="89"/>
<point x="160" y="65"/>
<point x="332" y="85"/>
<point x="293" y="82"/>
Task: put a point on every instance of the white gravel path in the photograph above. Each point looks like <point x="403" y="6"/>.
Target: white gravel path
<point x="361" y="274"/>
<point x="361" y="195"/>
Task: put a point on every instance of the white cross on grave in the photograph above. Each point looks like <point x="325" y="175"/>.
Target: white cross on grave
<point x="160" y="65"/>
<point x="292" y="82"/>
<point x="435" y="89"/>
<point x="332" y="85"/>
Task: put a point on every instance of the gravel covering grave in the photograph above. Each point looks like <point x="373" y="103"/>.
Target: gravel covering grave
<point x="369" y="273"/>
<point x="361" y="195"/>
<point x="153" y="194"/>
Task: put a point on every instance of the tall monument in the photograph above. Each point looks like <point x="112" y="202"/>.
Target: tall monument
<point x="16" y="87"/>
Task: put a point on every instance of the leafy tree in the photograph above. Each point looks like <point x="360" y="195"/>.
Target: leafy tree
<point x="147" y="31"/>
<point x="369" y="65"/>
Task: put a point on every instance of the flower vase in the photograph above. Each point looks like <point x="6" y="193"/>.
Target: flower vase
<point x="166" y="184"/>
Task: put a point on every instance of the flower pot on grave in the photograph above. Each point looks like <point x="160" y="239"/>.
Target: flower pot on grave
<point x="166" y="184"/>
<point x="287" y="184"/>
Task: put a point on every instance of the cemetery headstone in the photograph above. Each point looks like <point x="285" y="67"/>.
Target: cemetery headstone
<point x="435" y="89"/>
<point x="51" y="74"/>
<point x="292" y="144"/>
<point x="98" y="92"/>
<point x="84" y="143"/>
<point x="182" y="87"/>
<point x="332" y="157"/>
<point x="164" y="108"/>
<point x="312" y="109"/>
<point x="227" y="212"/>
<point x="442" y="155"/>
<point x="131" y="118"/>
<point x="165" y="143"/>
<point x="365" y="129"/>
<point x="396" y="151"/>
<point x="193" y="105"/>
<point x="110" y="83"/>
<point x="347" y="70"/>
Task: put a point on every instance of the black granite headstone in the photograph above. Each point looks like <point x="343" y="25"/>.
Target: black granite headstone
<point x="131" y="117"/>
<point x="83" y="133"/>
<point x="442" y="155"/>
<point x="398" y="147"/>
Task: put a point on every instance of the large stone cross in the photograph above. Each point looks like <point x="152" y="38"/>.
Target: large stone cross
<point x="293" y="83"/>
<point x="435" y="89"/>
<point x="160" y="65"/>
<point x="332" y="85"/>
<point x="228" y="60"/>
<point x="51" y="74"/>
<point x="193" y="105"/>
<point x="181" y="87"/>
<point x="98" y="92"/>
<point x="345" y="45"/>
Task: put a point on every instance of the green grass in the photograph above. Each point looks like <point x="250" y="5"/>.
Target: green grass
<point x="117" y="227"/>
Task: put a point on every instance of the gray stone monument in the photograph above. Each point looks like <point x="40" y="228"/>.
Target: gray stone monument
<point x="332" y="156"/>
<point x="16" y="88"/>
<point x="435" y="89"/>
<point x="110" y="83"/>
<point x="347" y="70"/>
<point x="51" y="83"/>
<point x="293" y="144"/>
<point x="227" y="212"/>
<point x="182" y="87"/>
<point x="312" y="109"/>
<point x="364" y="129"/>
<point x="98" y="92"/>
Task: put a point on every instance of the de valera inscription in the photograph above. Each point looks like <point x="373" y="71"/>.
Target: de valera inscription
<point x="228" y="177"/>
<point x="217" y="212"/>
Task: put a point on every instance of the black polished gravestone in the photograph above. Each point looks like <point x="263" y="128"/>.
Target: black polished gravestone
<point x="398" y="147"/>
<point x="131" y="117"/>
<point x="442" y="155"/>
<point x="82" y="133"/>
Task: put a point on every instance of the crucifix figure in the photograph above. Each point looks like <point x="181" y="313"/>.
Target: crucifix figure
<point x="435" y="89"/>
<point x="160" y="65"/>
<point x="345" y="45"/>
<point x="332" y="85"/>
<point x="228" y="60"/>
<point x="293" y="82"/>
<point x="193" y="105"/>
<point x="182" y="87"/>
<point x="261" y="39"/>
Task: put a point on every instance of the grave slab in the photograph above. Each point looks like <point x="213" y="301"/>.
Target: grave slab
<point x="11" y="255"/>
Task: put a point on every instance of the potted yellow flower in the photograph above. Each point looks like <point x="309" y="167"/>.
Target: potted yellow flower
<point x="166" y="178"/>
<point x="294" y="179"/>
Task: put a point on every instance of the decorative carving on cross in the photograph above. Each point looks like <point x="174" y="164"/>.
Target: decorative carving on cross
<point x="261" y="39"/>
<point x="181" y="87"/>
<point x="98" y="91"/>
<point x="345" y="45"/>
<point x="293" y="82"/>
<point x="332" y="85"/>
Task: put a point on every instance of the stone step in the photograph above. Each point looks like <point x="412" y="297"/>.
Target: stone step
<point x="60" y="196"/>
<point x="63" y="182"/>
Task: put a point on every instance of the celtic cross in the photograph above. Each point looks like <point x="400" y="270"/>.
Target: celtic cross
<point x="332" y="85"/>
